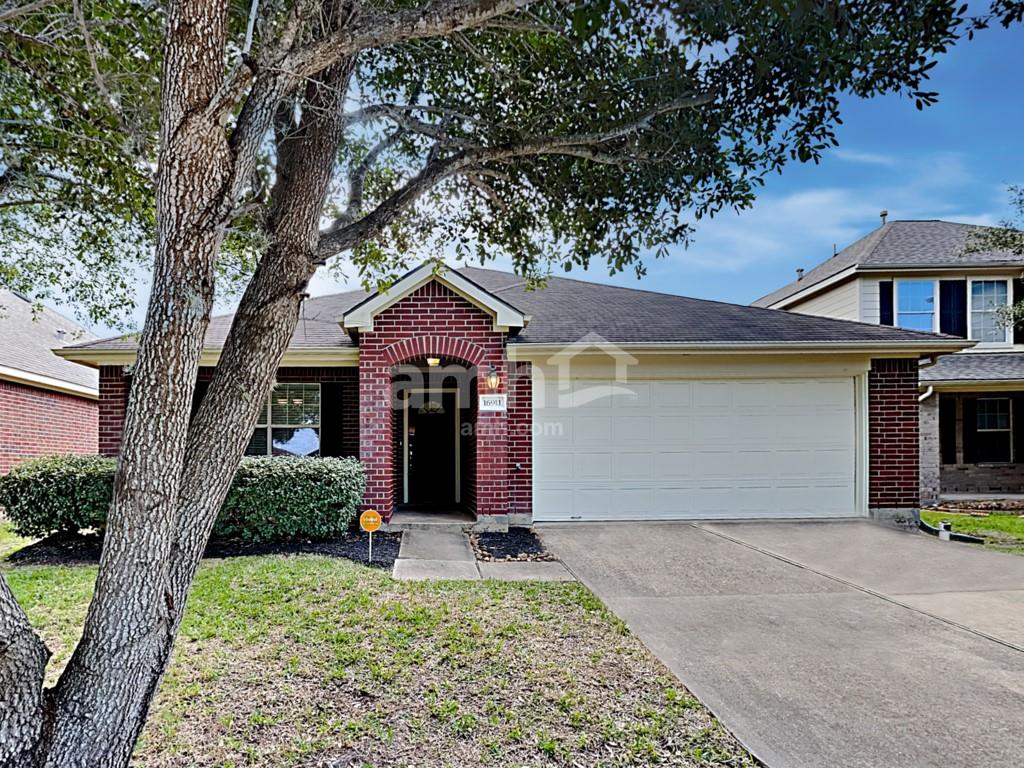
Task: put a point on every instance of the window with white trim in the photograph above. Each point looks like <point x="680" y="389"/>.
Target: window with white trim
<point x="988" y="298"/>
<point x="289" y="424"/>
<point x="915" y="304"/>
<point x="994" y="424"/>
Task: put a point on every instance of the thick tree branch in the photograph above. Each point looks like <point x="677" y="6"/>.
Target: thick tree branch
<point x="375" y="30"/>
<point x="13" y="10"/>
<point x="589" y="146"/>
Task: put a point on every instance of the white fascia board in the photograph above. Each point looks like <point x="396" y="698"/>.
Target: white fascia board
<point x="39" y="381"/>
<point x="974" y="385"/>
<point x="527" y="351"/>
<point x="505" y="315"/>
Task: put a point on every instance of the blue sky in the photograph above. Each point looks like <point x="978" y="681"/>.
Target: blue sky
<point x="952" y="161"/>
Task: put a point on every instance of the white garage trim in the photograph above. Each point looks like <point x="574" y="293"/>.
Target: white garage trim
<point x="804" y="447"/>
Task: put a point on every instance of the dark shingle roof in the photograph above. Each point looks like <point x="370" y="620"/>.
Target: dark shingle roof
<point x="27" y="340"/>
<point x="900" y="244"/>
<point x="976" y="366"/>
<point x="566" y="310"/>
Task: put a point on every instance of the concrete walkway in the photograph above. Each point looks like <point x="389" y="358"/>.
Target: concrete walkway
<point x="439" y="555"/>
<point x="840" y="644"/>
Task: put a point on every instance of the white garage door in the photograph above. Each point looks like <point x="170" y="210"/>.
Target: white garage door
<point x="694" y="449"/>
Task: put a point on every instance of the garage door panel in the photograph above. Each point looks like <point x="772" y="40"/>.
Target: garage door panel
<point x="697" y="449"/>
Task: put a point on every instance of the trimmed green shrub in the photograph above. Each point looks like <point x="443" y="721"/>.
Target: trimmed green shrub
<point x="270" y="498"/>
<point x="290" y="497"/>
<point x="58" y="493"/>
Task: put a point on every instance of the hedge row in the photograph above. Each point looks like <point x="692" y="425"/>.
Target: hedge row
<point x="270" y="498"/>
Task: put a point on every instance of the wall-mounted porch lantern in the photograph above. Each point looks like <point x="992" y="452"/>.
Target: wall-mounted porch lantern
<point x="493" y="380"/>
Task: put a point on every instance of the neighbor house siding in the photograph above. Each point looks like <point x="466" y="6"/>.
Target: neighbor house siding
<point x="841" y="301"/>
<point x="870" y="301"/>
<point x="893" y="426"/>
<point x="39" y="422"/>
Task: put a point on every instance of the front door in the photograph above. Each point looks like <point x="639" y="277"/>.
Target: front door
<point x="432" y="438"/>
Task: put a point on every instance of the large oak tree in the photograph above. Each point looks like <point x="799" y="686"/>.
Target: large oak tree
<point x="284" y="134"/>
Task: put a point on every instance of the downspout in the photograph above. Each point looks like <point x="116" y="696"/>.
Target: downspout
<point x="928" y="362"/>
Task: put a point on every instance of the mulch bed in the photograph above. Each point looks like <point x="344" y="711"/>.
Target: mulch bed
<point x="84" y="549"/>
<point x="517" y="544"/>
<point x="983" y="507"/>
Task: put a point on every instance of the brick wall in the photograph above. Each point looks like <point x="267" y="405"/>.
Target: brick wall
<point x="893" y="448"/>
<point x="39" y="422"/>
<point x="114" y="385"/>
<point x="982" y="478"/>
<point x="520" y="439"/>
<point x="432" y="321"/>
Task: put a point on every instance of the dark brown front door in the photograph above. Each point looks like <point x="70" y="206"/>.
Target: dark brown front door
<point x="433" y="421"/>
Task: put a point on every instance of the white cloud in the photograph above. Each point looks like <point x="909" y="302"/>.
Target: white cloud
<point x="866" y="158"/>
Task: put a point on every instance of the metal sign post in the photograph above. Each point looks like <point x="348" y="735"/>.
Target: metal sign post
<point x="370" y="521"/>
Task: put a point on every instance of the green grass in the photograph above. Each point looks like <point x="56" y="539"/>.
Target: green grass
<point x="1002" y="532"/>
<point x="300" y="661"/>
<point x="10" y="541"/>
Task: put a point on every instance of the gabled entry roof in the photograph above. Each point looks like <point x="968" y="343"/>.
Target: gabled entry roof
<point x="506" y="317"/>
<point x="562" y="313"/>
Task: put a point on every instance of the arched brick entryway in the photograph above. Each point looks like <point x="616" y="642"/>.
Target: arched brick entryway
<point x="433" y="321"/>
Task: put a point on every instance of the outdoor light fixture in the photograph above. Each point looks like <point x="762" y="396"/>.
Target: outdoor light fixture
<point x="493" y="380"/>
<point x="433" y="362"/>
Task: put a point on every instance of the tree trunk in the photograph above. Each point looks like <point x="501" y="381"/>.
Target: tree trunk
<point x="100" y="702"/>
<point x="263" y="324"/>
<point x="23" y="658"/>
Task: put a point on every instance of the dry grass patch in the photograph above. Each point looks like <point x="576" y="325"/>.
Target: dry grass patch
<point x="309" y="661"/>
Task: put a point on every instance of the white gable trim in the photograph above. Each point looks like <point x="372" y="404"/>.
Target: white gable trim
<point x="505" y="316"/>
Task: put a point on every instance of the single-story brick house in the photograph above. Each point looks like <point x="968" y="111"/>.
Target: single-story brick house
<point x="464" y="389"/>
<point x="47" y="405"/>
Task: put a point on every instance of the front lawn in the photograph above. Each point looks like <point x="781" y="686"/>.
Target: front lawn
<point x="314" y="661"/>
<point x="1002" y="532"/>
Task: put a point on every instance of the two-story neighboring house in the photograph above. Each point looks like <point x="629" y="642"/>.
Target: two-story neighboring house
<point x="920" y="275"/>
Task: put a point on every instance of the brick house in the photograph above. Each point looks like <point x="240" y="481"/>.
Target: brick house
<point x="47" y="405"/>
<point x="462" y="389"/>
<point x="921" y="275"/>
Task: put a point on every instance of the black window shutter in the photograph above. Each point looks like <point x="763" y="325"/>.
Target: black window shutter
<point x="331" y="436"/>
<point x="1018" y="429"/>
<point x="953" y="307"/>
<point x="947" y="428"/>
<point x="970" y="429"/>
<point x="885" y="315"/>
<point x="1018" y="296"/>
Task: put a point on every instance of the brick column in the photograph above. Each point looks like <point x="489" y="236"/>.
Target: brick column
<point x="520" y="443"/>
<point x="113" y="404"/>
<point x="930" y="457"/>
<point x="492" y="467"/>
<point x="375" y="431"/>
<point x="893" y="447"/>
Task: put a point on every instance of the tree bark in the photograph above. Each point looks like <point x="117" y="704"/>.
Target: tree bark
<point x="100" y="702"/>
<point x="23" y="658"/>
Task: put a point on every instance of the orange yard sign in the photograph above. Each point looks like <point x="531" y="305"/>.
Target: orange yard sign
<point x="370" y="520"/>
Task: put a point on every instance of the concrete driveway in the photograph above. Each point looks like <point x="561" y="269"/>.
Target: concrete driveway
<point x="834" y="644"/>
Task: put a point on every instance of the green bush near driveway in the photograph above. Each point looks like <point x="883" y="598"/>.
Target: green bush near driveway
<point x="270" y="498"/>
